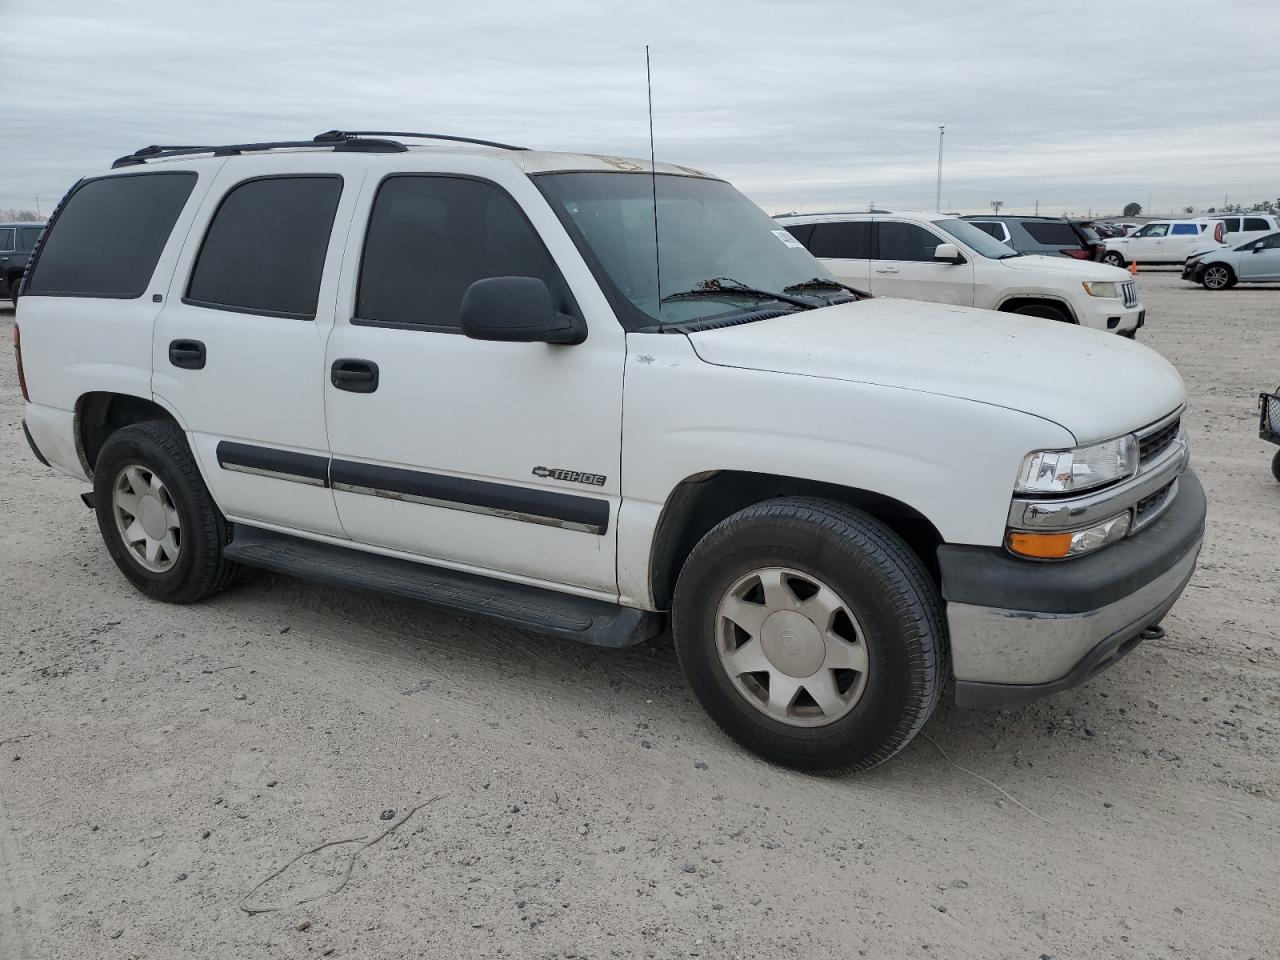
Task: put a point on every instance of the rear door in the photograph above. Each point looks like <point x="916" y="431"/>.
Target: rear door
<point x="845" y="250"/>
<point x="902" y="265"/>
<point x="1184" y="238"/>
<point x="239" y="347"/>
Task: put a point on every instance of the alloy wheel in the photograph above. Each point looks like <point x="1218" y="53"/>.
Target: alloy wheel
<point x="146" y="518"/>
<point x="1216" y="277"/>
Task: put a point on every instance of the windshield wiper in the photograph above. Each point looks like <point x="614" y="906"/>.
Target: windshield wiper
<point x="825" y="283"/>
<point x="720" y="286"/>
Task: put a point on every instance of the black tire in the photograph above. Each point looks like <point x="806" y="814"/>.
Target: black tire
<point x="200" y="569"/>
<point x="1275" y="465"/>
<point x="1114" y="258"/>
<point x="875" y="573"/>
<point x="1045" y="310"/>
<point x="1217" y="276"/>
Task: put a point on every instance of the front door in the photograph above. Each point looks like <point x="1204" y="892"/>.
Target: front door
<point x="1262" y="261"/>
<point x="494" y="457"/>
<point x="238" y="350"/>
<point x="902" y="265"/>
<point x="1147" y="245"/>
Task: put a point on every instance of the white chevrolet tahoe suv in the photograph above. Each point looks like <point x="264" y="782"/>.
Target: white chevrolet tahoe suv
<point x="943" y="259"/>
<point x="464" y="373"/>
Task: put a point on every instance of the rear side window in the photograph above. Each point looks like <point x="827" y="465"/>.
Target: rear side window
<point x="1052" y="233"/>
<point x="801" y="231"/>
<point x="7" y="235"/>
<point x="1233" y="224"/>
<point x="431" y="237"/>
<point x="1256" y="223"/>
<point x="27" y="237"/>
<point x="1185" y="229"/>
<point x="108" y="235"/>
<point x="264" y="250"/>
<point x="906" y="241"/>
<point x="842" y="241"/>
<point x="994" y="229"/>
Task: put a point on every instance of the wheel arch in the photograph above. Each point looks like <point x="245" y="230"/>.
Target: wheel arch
<point x="1018" y="300"/>
<point x="700" y="501"/>
<point x="98" y="414"/>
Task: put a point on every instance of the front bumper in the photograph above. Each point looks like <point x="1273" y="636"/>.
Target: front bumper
<point x="1192" y="270"/>
<point x="1113" y="316"/>
<point x="1021" y="630"/>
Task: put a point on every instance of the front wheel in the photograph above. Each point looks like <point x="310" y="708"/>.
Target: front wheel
<point x="811" y="634"/>
<point x="156" y="516"/>
<point x="1217" y="276"/>
<point x="1275" y="465"/>
<point x="1046" y="311"/>
<point x="1114" y="258"/>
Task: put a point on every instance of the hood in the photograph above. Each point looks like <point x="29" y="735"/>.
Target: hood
<point x="1081" y="270"/>
<point x="1096" y="385"/>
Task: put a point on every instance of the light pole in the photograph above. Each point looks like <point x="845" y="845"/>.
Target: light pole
<point x="942" y="129"/>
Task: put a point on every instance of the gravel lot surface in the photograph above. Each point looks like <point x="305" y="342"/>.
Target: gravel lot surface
<point x="157" y="763"/>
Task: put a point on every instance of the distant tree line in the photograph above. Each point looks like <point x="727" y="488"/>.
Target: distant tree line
<point x="29" y="216"/>
<point x="1262" y="206"/>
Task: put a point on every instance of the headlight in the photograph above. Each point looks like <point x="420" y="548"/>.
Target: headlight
<point x="1060" y="546"/>
<point x="1109" y="290"/>
<point x="1069" y="471"/>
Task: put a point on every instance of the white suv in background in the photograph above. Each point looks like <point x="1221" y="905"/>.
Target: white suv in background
<point x="1164" y="241"/>
<point x="923" y="256"/>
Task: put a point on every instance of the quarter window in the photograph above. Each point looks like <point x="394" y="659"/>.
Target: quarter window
<point x="1052" y="233"/>
<point x="1256" y="223"/>
<point x="27" y="237"/>
<point x="7" y="235"/>
<point x="801" y="231"/>
<point x="264" y="250"/>
<point x="906" y="241"/>
<point x="994" y="229"/>
<point x="842" y="241"/>
<point x="431" y="237"/>
<point x="108" y="235"/>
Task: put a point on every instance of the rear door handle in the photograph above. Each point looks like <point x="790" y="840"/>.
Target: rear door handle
<point x="187" y="354"/>
<point x="355" y="376"/>
<point x="886" y="269"/>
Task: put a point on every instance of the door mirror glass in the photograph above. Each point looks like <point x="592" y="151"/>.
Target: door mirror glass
<point x="947" y="253"/>
<point x="516" y="310"/>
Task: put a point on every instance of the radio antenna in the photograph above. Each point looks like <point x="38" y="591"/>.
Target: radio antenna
<point x="653" y="180"/>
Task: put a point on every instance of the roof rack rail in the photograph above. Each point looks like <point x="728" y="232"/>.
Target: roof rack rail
<point x="347" y="134"/>
<point x="353" y="144"/>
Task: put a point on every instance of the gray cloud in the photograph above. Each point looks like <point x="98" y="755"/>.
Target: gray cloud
<point x="802" y="104"/>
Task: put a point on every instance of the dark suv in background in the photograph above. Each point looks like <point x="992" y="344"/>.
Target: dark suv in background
<point x="1048" y="236"/>
<point x="17" y="240"/>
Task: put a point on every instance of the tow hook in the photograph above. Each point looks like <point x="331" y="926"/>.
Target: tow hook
<point x="1153" y="632"/>
<point x="88" y="499"/>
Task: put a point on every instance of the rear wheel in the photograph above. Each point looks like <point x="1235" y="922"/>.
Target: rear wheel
<point x="1217" y="276"/>
<point x="1114" y="258"/>
<point x="1275" y="465"/>
<point x="811" y="634"/>
<point x="1045" y="310"/>
<point x="156" y="516"/>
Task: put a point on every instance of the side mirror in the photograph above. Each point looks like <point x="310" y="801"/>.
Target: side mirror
<point x="1258" y="247"/>
<point x="516" y="310"/>
<point x="947" y="253"/>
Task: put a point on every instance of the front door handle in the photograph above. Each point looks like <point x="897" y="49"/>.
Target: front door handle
<point x="187" y="354"/>
<point x="355" y="376"/>
<point x="886" y="269"/>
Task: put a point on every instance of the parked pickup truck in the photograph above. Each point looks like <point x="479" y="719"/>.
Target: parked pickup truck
<point x="464" y="373"/>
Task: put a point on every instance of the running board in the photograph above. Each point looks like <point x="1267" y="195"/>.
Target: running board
<point x="528" y="608"/>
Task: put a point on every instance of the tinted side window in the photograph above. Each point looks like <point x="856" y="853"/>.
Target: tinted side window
<point x="842" y="241"/>
<point x="27" y="237"/>
<point x="1185" y="229"/>
<point x="1269" y="243"/>
<point x="6" y="239"/>
<point x="1052" y="233"/>
<point x="264" y="250"/>
<point x="1232" y="224"/>
<point x="995" y="229"/>
<point x="801" y="231"/>
<point x="431" y="237"/>
<point x="1256" y="223"/>
<point x="906" y="241"/>
<point x="107" y="237"/>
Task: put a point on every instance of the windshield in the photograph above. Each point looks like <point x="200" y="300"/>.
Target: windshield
<point x="706" y="230"/>
<point x="980" y="241"/>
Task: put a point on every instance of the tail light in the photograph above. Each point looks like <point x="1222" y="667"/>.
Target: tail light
<point x="1219" y="232"/>
<point x="1078" y="253"/>
<point x="17" y="352"/>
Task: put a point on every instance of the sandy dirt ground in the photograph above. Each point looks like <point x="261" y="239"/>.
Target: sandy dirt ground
<point x="157" y="763"/>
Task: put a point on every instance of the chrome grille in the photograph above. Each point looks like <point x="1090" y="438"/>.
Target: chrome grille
<point x="1130" y="288"/>
<point x="1156" y="439"/>
<point x="1151" y="506"/>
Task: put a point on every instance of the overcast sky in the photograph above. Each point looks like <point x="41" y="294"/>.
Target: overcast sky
<point x="803" y="105"/>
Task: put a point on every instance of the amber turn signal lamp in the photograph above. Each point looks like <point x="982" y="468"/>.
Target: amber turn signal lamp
<point x="1040" y="546"/>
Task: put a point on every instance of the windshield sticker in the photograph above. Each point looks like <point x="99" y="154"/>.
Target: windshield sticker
<point x="787" y="239"/>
